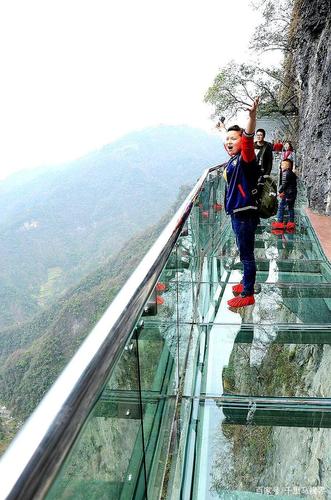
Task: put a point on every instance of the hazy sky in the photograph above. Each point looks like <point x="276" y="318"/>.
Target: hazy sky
<point x="76" y="74"/>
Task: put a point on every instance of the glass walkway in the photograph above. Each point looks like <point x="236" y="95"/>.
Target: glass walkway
<point x="174" y="395"/>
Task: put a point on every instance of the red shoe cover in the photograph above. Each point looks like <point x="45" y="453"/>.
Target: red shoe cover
<point x="290" y="225"/>
<point x="241" y="301"/>
<point x="205" y="214"/>
<point x="217" y="207"/>
<point x="159" y="300"/>
<point x="277" y="231"/>
<point x="160" y="287"/>
<point x="277" y="225"/>
<point x="238" y="288"/>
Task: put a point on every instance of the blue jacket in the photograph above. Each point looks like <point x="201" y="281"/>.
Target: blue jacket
<point x="242" y="177"/>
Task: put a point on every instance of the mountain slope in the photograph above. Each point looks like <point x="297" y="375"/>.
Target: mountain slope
<point x="33" y="354"/>
<point x="59" y="223"/>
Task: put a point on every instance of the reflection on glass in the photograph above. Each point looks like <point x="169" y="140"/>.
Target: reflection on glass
<point x="252" y="452"/>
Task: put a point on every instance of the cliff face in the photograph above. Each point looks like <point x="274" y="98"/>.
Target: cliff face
<point x="312" y="62"/>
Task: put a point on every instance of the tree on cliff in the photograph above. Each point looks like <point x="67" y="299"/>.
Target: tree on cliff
<point x="236" y="85"/>
<point x="272" y="34"/>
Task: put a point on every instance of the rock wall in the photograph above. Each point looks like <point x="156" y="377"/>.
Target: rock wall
<point x="312" y="61"/>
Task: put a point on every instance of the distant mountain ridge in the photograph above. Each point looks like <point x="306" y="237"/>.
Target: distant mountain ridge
<point x="59" y="223"/>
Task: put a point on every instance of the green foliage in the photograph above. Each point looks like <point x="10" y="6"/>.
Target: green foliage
<point x="8" y="429"/>
<point x="237" y="85"/>
<point x="281" y="372"/>
<point x="47" y="290"/>
<point x="250" y="449"/>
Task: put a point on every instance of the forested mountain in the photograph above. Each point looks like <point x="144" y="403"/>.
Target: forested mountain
<point x="33" y="354"/>
<point x="57" y="224"/>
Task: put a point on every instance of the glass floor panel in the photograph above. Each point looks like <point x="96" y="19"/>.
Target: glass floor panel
<point x="280" y="304"/>
<point x="277" y="249"/>
<point x="263" y="456"/>
<point x="255" y="365"/>
<point x="268" y="272"/>
<point x="318" y="273"/>
<point x="267" y="361"/>
<point x="284" y="245"/>
<point x="263" y="397"/>
<point x="283" y="301"/>
<point x="267" y="235"/>
<point x="302" y="223"/>
<point x="286" y="265"/>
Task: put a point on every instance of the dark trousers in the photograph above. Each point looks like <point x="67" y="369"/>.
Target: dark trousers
<point x="244" y="227"/>
<point x="281" y="208"/>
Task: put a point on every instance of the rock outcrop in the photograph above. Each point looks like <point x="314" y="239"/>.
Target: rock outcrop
<point x="312" y="60"/>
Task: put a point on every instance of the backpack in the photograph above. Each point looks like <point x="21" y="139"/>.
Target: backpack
<point x="266" y="197"/>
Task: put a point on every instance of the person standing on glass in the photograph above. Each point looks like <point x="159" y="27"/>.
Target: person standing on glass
<point x="263" y="151"/>
<point x="278" y="146"/>
<point x="241" y="174"/>
<point x="287" y="193"/>
<point x="288" y="152"/>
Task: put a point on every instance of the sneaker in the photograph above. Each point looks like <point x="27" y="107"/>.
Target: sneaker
<point x="241" y="301"/>
<point x="290" y="226"/>
<point x="277" y="225"/>
<point x="237" y="289"/>
<point x="160" y="287"/>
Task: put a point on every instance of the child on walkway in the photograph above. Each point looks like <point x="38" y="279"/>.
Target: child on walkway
<point x="288" y="194"/>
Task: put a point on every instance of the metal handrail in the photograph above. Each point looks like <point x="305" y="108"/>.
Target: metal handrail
<point x="33" y="459"/>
